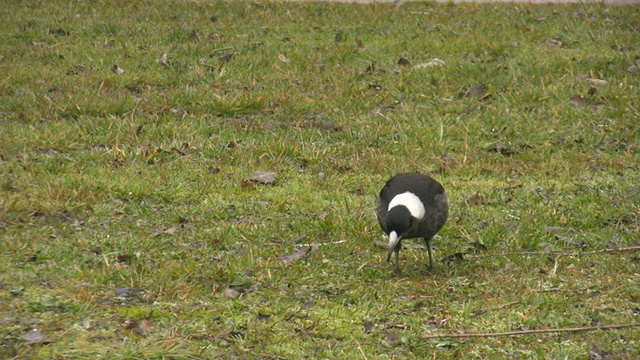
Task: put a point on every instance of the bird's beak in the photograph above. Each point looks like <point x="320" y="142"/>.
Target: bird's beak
<point x="394" y="239"/>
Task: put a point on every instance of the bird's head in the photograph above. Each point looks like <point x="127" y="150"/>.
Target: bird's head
<point x="398" y="223"/>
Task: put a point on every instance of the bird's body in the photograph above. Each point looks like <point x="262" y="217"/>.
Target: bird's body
<point x="411" y="206"/>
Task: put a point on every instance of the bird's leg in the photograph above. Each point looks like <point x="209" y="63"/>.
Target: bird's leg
<point x="428" y="241"/>
<point x="398" y="271"/>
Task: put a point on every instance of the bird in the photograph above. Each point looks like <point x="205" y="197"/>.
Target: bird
<point x="410" y="206"/>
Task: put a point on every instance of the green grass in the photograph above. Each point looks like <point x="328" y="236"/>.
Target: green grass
<point x="135" y="180"/>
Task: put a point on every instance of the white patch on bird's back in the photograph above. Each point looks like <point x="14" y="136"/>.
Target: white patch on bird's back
<point x="411" y="202"/>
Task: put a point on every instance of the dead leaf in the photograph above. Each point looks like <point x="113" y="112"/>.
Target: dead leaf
<point x="124" y="258"/>
<point x="502" y="150"/>
<point x="570" y="241"/>
<point x="474" y="199"/>
<point x="170" y="231"/>
<point x="392" y="340"/>
<point x="237" y="251"/>
<point x="403" y="62"/>
<point x="235" y="335"/>
<point x="554" y="44"/>
<point x="59" y="32"/>
<point x="508" y="267"/>
<point x="596" y="166"/>
<point x="116" y="69"/>
<point x="163" y="60"/>
<point x="328" y="126"/>
<point x="478" y="91"/>
<point x="307" y="304"/>
<point x="144" y="327"/>
<point x="453" y="258"/>
<point x="130" y="324"/>
<point x="179" y="112"/>
<point x="283" y="58"/>
<point x="148" y="153"/>
<point x="31" y="321"/>
<point x="597" y="81"/>
<point x="232" y="144"/>
<point x="581" y="101"/>
<point x="141" y="328"/>
<point x="34" y="336"/>
<point x="241" y="283"/>
<point x="299" y="239"/>
<point x="338" y="37"/>
<point x="432" y="63"/>
<point x="178" y="151"/>
<point x="126" y="292"/>
<point x="225" y="58"/>
<point x="231" y="293"/>
<point x="598" y="354"/>
<point x="479" y="245"/>
<point x="260" y="316"/>
<point x="85" y="324"/>
<point x="263" y="177"/>
<point x="623" y="48"/>
<point x="299" y="253"/>
<point x="381" y="109"/>
<point x="368" y="326"/>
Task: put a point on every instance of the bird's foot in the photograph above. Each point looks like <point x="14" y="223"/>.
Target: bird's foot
<point x="398" y="272"/>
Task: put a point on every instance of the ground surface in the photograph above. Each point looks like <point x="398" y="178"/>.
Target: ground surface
<point x="493" y="1"/>
<point x="196" y="179"/>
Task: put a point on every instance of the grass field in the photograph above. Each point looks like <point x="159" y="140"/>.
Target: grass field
<point x="130" y="227"/>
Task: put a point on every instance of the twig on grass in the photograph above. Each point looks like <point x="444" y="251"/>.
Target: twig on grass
<point x="320" y="244"/>
<point x="615" y="250"/>
<point x="5" y="80"/>
<point x="361" y="352"/>
<point x="529" y="332"/>
<point x="559" y="253"/>
<point x="382" y="244"/>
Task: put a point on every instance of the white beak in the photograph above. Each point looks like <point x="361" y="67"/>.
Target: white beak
<point x="393" y="241"/>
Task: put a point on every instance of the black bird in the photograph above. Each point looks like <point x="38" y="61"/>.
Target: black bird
<point x="411" y="206"/>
